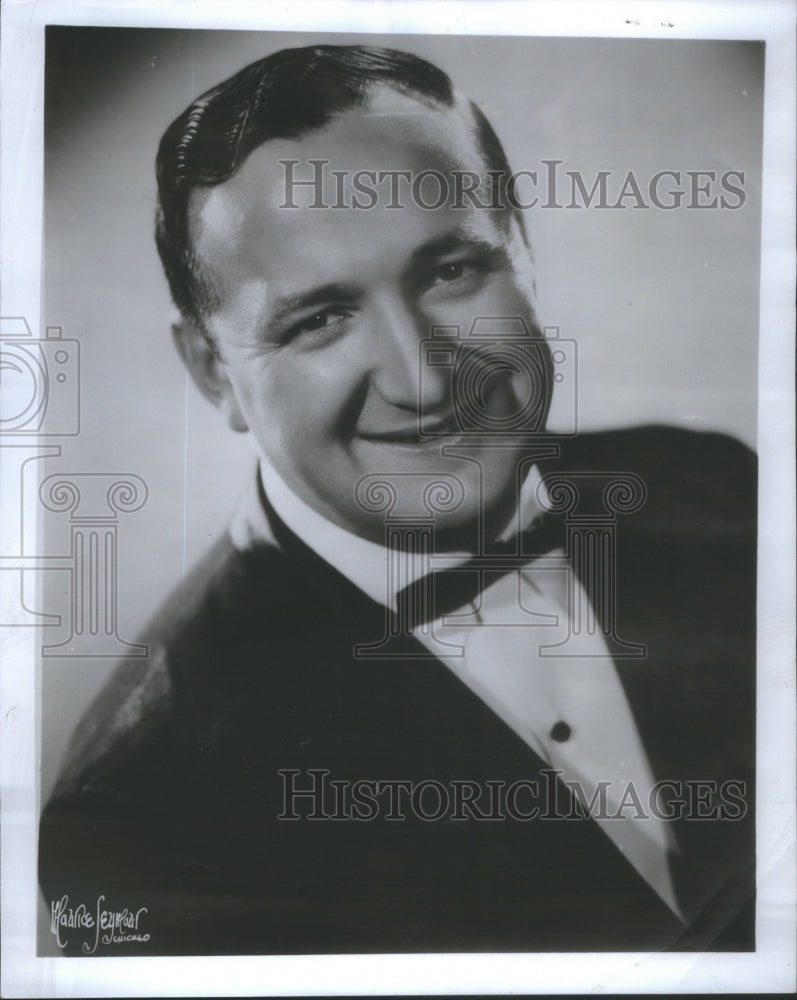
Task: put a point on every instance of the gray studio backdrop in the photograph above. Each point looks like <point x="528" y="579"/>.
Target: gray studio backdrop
<point x="663" y="304"/>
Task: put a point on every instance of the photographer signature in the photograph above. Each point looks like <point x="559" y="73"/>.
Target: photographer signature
<point x="109" y="926"/>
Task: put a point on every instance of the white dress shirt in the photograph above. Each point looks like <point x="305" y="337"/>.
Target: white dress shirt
<point x="572" y="711"/>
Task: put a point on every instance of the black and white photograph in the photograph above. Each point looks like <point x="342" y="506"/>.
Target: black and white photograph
<point x="398" y="499"/>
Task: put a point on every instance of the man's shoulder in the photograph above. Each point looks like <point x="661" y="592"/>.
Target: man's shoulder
<point x="681" y="470"/>
<point x="660" y="446"/>
<point x="219" y="585"/>
<point x="133" y="717"/>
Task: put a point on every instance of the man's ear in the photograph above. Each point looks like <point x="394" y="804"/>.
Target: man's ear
<point x="208" y="370"/>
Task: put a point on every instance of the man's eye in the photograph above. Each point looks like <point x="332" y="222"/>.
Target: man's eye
<point x="458" y="273"/>
<point x="325" y="321"/>
<point x="450" y="272"/>
<point x="315" y="322"/>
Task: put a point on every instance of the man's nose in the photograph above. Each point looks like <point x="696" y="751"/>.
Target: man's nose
<point x="398" y="335"/>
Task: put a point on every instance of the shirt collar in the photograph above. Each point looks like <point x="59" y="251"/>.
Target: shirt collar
<point x="363" y="562"/>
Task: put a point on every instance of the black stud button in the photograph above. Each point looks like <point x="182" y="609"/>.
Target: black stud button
<point x="561" y="732"/>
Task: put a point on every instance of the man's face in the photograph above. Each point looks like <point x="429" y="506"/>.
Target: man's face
<point x="321" y="311"/>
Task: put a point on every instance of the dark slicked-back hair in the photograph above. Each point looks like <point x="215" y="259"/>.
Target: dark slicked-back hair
<point x="284" y="96"/>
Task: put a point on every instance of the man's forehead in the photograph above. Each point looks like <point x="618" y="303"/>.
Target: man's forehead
<point x="290" y="252"/>
<point x="291" y="202"/>
<point x="390" y="133"/>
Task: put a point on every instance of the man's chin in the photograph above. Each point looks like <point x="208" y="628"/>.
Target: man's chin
<point x="458" y="485"/>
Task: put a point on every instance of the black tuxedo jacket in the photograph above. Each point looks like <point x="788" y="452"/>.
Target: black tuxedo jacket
<point x="172" y="796"/>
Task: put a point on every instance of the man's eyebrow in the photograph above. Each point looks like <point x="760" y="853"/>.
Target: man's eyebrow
<point x="287" y="305"/>
<point x="452" y="242"/>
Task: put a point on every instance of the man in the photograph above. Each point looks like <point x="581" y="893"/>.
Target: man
<point x="449" y="683"/>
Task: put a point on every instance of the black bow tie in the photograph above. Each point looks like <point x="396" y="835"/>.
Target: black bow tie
<point x="444" y="591"/>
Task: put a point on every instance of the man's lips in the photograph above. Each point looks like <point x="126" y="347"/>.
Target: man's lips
<point x="415" y="432"/>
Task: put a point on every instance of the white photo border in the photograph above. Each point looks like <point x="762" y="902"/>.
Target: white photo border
<point x="771" y="967"/>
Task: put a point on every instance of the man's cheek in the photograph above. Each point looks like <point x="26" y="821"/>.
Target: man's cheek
<point x="499" y="298"/>
<point x="511" y="299"/>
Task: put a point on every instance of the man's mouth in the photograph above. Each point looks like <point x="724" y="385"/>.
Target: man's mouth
<point x="415" y="433"/>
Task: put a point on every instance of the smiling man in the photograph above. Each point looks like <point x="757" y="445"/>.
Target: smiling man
<point x="422" y="696"/>
<point x="318" y="311"/>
